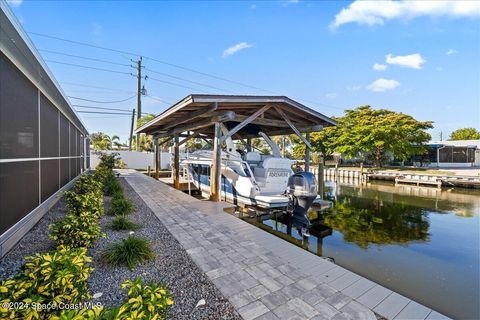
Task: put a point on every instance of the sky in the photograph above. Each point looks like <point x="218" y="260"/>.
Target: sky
<point x="420" y="58"/>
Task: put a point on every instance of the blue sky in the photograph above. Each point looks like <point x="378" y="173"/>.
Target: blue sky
<point x="426" y="55"/>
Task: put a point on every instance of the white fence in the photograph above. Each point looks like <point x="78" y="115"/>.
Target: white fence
<point x="136" y="160"/>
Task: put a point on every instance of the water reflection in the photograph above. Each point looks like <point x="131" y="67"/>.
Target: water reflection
<point x="418" y="241"/>
<point x="365" y="221"/>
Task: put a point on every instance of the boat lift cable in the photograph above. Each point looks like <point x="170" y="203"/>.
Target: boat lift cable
<point x="178" y="67"/>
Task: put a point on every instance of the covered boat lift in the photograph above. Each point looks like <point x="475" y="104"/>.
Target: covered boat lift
<point x="200" y="115"/>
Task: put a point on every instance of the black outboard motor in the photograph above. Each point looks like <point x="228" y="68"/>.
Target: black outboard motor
<point x="301" y="190"/>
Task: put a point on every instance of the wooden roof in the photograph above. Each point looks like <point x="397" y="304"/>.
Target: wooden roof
<point x="197" y="112"/>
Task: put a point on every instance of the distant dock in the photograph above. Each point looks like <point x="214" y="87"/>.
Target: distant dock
<point x="419" y="179"/>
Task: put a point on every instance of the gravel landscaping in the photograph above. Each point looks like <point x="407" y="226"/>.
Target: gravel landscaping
<point x="36" y="240"/>
<point x="171" y="266"/>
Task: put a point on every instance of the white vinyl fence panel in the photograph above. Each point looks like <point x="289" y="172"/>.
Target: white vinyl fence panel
<point x="135" y="160"/>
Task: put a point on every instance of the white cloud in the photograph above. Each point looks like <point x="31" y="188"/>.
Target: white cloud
<point x="451" y="51"/>
<point x="354" y="88"/>
<point x="14" y="3"/>
<point x="331" y="95"/>
<point x="375" y="13"/>
<point x="381" y="85"/>
<point x="379" y="67"/>
<point x="413" y="61"/>
<point x="236" y="48"/>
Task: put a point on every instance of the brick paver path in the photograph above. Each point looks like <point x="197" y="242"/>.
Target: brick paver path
<point x="263" y="276"/>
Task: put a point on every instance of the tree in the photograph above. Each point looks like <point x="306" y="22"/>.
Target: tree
<point x="465" y="134"/>
<point x="101" y="141"/>
<point x="146" y="141"/>
<point x="374" y="134"/>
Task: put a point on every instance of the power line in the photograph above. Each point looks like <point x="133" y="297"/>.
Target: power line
<point x="174" y="84"/>
<point x="176" y="66"/>
<point x="85" y="58"/>
<point x="95" y="87"/>
<point x="83" y="99"/>
<point x="102" y="108"/>
<point x="160" y="100"/>
<point x="102" y="112"/>
<point x="88" y="67"/>
<point x="190" y="81"/>
<point x="153" y="59"/>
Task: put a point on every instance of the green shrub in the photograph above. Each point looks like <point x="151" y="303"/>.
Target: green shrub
<point x="120" y="206"/>
<point x="108" y="160"/>
<point x="111" y="186"/>
<point x="76" y="231"/>
<point x="130" y="251"/>
<point x="87" y="183"/>
<point x="123" y="223"/>
<point x="150" y="301"/>
<point x="48" y="278"/>
<point x="78" y="203"/>
<point x="79" y="314"/>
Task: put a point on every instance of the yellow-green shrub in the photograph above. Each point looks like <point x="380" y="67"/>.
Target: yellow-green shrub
<point x="48" y="278"/>
<point x="78" y="203"/>
<point x="76" y="231"/>
<point x="87" y="183"/>
<point x="150" y="301"/>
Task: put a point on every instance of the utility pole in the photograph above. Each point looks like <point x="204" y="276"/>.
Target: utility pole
<point x="441" y="135"/>
<point x="139" y="98"/>
<point x="131" y="131"/>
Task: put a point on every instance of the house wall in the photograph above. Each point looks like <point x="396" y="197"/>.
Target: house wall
<point x="42" y="142"/>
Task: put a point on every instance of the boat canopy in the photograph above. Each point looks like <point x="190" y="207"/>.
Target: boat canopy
<point x="273" y="115"/>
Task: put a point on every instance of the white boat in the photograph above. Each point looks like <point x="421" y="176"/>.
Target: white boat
<point x="247" y="178"/>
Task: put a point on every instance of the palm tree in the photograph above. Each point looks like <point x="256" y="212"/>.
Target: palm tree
<point x="101" y="141"/>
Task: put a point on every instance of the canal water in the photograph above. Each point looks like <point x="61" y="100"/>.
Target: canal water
<point x="418" y="241"/>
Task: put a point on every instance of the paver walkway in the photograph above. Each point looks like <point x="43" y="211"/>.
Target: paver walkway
<point x="263" y="276"/>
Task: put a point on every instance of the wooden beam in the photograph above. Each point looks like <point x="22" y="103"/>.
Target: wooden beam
<point x="196" y="134"/>
<point x="264" y="121"/>
<point x="215" y="172"/>
<point x="226" y="116"/>
<point x="176" y="163"/>
<point x="284" y="116"/>
<point x="301" y="129"/>
<point x="157" y="159"/>
<point x="242" y="124"/>
<point x="192" y="115"/>
<point x="307" y="153"/>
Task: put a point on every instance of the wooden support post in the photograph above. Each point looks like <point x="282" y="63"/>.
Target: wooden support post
<point x="320" y="176"/>
<point x="249" y="144"/>
<point x="215" y="172"/>
<point x="157" y="157"/>
<point x="361" y="172"/>
<point x="307" y="152"/>
<point x="176" y="162"/>
<point x="149" y="170"/>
